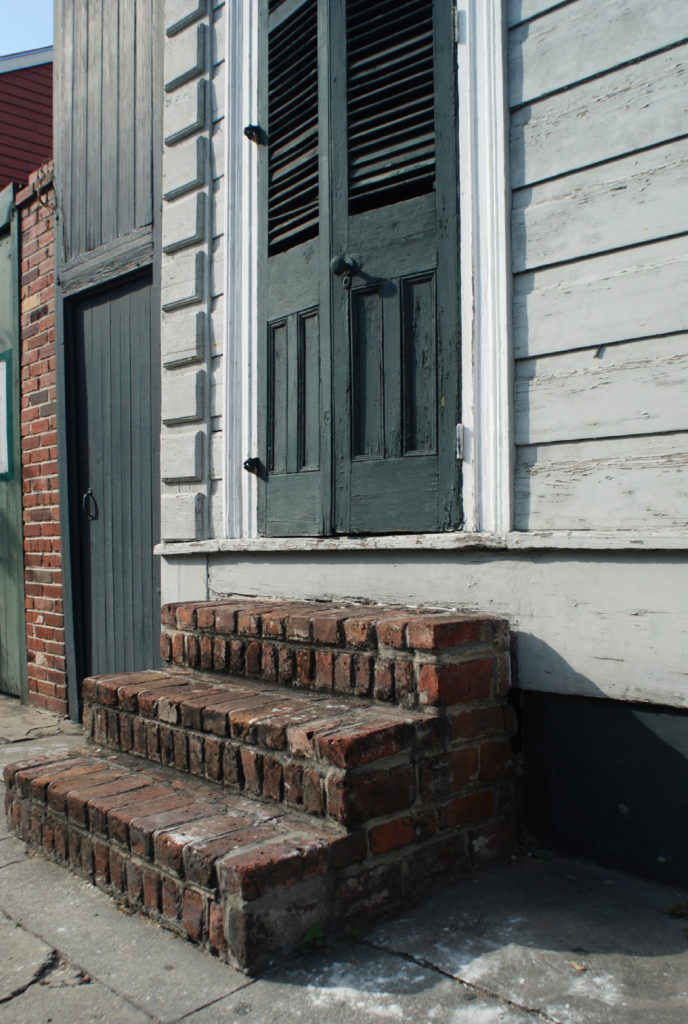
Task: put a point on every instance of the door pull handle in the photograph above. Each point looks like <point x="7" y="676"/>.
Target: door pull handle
<point x="89" y="504"/>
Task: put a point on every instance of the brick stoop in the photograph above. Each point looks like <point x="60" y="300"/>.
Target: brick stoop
<point x="242" y="811"/>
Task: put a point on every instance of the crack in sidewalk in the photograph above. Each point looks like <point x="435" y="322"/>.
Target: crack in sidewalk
<point x="422" y="962"/>
<point x="40" y="973"/>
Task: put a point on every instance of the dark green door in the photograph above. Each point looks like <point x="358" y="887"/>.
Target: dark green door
<point x="12" y="622"/>
<point x="116" y="491"/>
<point x="360" y="367"/>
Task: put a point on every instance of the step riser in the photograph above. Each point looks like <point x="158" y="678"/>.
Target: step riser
<point x="367" y="652"/>
<point x="416" y="769"/>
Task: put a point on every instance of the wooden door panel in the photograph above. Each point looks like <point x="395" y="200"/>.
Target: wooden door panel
<point x="117" y="494"/>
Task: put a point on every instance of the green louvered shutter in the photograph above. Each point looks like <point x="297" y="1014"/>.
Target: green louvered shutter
<point x="359" y="375"/>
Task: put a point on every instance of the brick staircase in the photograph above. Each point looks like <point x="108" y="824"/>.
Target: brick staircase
<point x="295" y="768"/>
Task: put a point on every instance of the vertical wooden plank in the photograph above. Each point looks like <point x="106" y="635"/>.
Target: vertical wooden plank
<point x="109" y="140"/>
<point x="79" y="116"/>
<point x="367" y="374"/>
<point x="64" y="86"/>
<point x="447" y="282"/>
<point x="277" y="400"/>
<point x="144" y="91"/>
<point x="94" y="102"/>
<point x="292" y="393"/>
<point x="309" y="391"/>
<point x="419" y="345"/>
<point x="126" y="129"/>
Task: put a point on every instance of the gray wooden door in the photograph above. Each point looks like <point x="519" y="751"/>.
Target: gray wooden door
<point x="12" y="622"/>
<point x="116" y="484"/>
<point x="360" y="368"/>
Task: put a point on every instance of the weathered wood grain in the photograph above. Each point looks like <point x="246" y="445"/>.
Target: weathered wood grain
<point x="637" y="106"/>
<point x="632" y="293"/>
<point x="183" y="337"/>
<point x="185" y="167"/>
<point x="183" y="396"/>
<point x="635" y="199"/>
<point x="181" y="456"/>
<point x="635" y="388"/>
<point x="184" y="222"/>
<point x="183" y="280"/>
<point x="185" y="111"/>
<point x="586" y="38"/>
<point x="185" y="57"/>
<point x="595" y="485"/>
<point x="181" y="518"/>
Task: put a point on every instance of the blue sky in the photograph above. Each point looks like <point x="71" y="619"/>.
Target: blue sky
<point x="25" y="25"/>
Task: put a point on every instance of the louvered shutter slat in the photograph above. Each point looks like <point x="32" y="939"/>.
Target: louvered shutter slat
<point x="293" y="130"/>
<point x="390" y="102"/>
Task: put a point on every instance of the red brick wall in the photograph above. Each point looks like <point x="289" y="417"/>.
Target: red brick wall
<point x="46" y="669"/>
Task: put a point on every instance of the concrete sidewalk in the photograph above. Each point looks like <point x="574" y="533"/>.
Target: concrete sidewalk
<point x="529" y="941"/>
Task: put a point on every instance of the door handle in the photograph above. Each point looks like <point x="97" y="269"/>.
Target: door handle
<point x="344" y="267"/>
<point x="89" y="504"/>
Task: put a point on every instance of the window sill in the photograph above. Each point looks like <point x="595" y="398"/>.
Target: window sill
<point x="563" y="540"/>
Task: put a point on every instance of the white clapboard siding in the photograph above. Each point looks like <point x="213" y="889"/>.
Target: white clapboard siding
<point x="636" y="199"/>
<point x="637" y="106"/>
<point x="586" y="38"/>
<point x="520" y="10"/>
<point x="632" y="293"/>
<point x="594" y="485"/>
<point x="637" y="388"/>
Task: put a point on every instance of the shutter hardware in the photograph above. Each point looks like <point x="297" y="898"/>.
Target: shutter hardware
<point x="459" y="441"/>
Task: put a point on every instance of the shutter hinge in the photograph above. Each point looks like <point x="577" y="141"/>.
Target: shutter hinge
<point x="459" y="440"/>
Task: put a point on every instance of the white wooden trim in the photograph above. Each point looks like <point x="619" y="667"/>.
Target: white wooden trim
<point x="241" y="261"/>
<point x="485" y="266"/>
<point x="552" y="540"/>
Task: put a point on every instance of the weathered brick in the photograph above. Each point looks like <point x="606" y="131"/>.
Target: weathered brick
<point x="151" y="888"/>
<point x="391" y="835"/>
<point x="213" y="759"/>
<point x="171" y="899"/>
<point x="272" y="778"/>
<point x="263" y="870"/>
<point x="134" y="882"/>
<point x="466" y="809"/>
<point x="312" y="792"/>
<point x="304" y="666"/>
<point x="193" y="914"/>
<point x="252" y="658"/>
<point x="360" y="743"/>
<point x="216" y="929"/>
<point x="324" y="670"/>
<point x="142" y="829"/>
<point x="495" y="760"/>
<point x="252" y="770"/>
<point x="293" y="783"/>
<point x="383" y="687"/>
<point x="438" y="632"/>
<point x="363" y="674"/>
<point x="456" y="683"/>
<point x="360" y="798"/>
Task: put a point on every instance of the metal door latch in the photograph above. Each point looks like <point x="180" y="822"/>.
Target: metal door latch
<point x="252" y="464"/>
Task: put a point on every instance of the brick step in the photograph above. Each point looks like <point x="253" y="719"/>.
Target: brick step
<point x="347" y="762"/>
<point x="241" y="877"/>
<point x="391" y="655"/>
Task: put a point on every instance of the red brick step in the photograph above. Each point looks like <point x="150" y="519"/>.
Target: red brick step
<point x="244" y="878"/>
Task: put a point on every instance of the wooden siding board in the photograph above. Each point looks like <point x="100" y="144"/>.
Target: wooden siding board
<point x="144" y="88"/>
<point x="124" y="53"/>
<point x="628" y="389"/>
<point x="588" y="38"/>
<point x="109" y="140"/>
<point x="94" y="141"/>
<point x="641" y="482"/>
<point x="632" y="293"/>
<point x="638" y="106"/>
<point x="77" y="156"/>
<point x="638" y="198"/>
